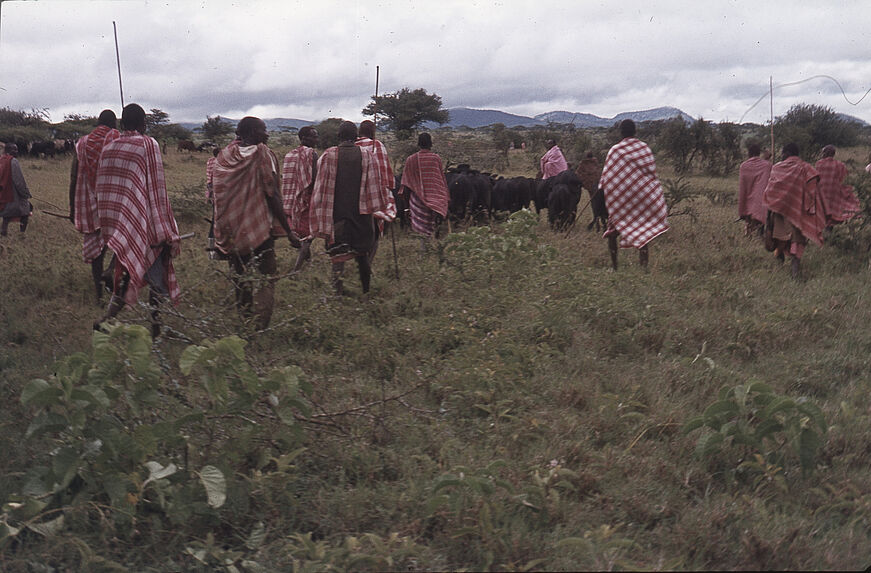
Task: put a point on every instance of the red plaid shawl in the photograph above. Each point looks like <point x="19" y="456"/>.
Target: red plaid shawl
<point x="242" y="180"/>
<point x="636" y="206"/>
<point x="88" y="150"/>
<point x="134" y="208"/>
<point x="752" y="179"/>
<point x="553" y="163"/>
<point x="424" y="175"/>
<point x="839" y="203"/>
<point x="373" y="196"/>
<point x="210" y="176"/>
<point x="297" y="174"/>
<point x="385" y="174"/>
<point x="792" y="192"/>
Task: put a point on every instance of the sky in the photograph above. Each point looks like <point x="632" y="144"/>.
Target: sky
<point x="317" y="59"/>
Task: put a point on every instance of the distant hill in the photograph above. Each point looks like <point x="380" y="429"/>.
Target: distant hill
<point x="474" y="118"/>
<point x="466" y="117"/>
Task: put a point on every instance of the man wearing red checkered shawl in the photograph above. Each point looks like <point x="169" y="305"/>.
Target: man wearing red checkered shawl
<point x="347" y="193"/>
<point x="83" y="198"/>
<point x="752" y="180"/>
<point x="366" y="140"/>
<point x="136" y="218"/>
<point x="839" y="202"/>
<point x="797" y="213"/>
<point x="297" y="182"/>
<point x="636" y="205"/>
<point x="423" y="175"/>
<point x="248" y="214"/>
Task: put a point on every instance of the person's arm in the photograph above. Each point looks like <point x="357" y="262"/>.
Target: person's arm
<point x="74" y="175"/>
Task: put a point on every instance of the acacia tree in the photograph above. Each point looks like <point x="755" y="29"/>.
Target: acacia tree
<point x="405" y="110"/>
<point x="216" y="128"/>
<point x="812" y="126"/>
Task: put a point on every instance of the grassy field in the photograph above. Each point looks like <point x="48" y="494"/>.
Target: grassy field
<point x="507" y="403"/>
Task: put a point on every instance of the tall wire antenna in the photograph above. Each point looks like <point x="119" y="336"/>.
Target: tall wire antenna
<point x="118" y="60"/>
<point x="816" y="77"/>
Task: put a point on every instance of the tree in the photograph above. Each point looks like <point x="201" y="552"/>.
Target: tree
<point x="155" y="119"/>
<point x="328" y="131"/>
<point x="216" y="128"/>
<point x="405" y="110"/>
<point x="811" y="127"/>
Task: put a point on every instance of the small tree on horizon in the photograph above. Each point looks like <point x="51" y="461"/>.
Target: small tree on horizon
<point x="405" y="110"/>
<point x="216" y="128"/>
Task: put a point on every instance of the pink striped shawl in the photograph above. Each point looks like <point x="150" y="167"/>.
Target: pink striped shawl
<point x="792" y="192"/>
<point x="373" y="196"/>
<point x="636" y="205"/>
<point x="134" y="208"/>
<point x="88" y="150"/>
<point x="297" y="173"/>
<point x="752" y="180"/>
<point x="424" y="175"/>
<point x="553" y="162"/>
<point x="385" y="173"/>
<point x="839" y="202"/>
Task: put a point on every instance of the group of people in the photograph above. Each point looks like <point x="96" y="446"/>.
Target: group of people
<point x="119" y="202"/>
<point x="793" y="202"/>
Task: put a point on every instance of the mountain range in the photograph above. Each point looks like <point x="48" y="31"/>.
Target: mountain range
<point x="474" y="118"/>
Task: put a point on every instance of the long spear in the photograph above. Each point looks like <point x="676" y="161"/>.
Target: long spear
<point x="375" y="121"/>
<point x="118" y="61"/>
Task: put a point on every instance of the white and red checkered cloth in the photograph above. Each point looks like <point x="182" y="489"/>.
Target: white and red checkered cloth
<point x="373" y="196"/>
<point x="792" y="192"/>
<point x="297" y="174"/>
<point x="244" y="177"/>
<point x="385" y="174"/>
<point x="210" y="176"/>
<point x="424" y="175"/>
<point x="134" y="208"/>
<point x="839" y="202"/>
<point x="88" y="150"/>
<point x="553" y="162"/>
<point x="752" y="180"/>
<point x="636" y="205"/>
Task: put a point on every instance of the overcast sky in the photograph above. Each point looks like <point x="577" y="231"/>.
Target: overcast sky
<point x="317" y="59"/>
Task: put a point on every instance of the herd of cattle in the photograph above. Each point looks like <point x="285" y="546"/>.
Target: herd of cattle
<point x="477" y="196"/>
<point x="45" y="148"/>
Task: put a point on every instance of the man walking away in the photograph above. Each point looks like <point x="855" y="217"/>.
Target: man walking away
<point x="839" y="202"/>
<point x="83" y="194"/>
<point x="136" y="218"/>
<point x="297" y="182"/>
<point x="249" y="214"/>
<point x="347" y="194"/>
<point x="14" y="194"/>
<point x="752" y="180"/>
<point x="636" y="205"/>
<point x="797" y="212"/>
<point x="424" y="177"/>
<point x="366" y="140"/>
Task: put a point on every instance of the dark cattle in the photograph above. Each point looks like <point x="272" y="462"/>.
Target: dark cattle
<point x="42" y="149"/>
<point x="206" y="145"/>
<point x="501" y="197"/>
<point x="470" y="193"/>
<point x="562" y="204"/>
<point x="186" y="145"/>
<point x="513" y="194"/>
<point x="402" y="208"/>
<point x="600" y="210"/>
<point x="539" y="196"/>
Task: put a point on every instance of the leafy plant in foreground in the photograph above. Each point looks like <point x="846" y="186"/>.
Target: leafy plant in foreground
<point x="764" y="427"/>
<point x="126" y="446"/>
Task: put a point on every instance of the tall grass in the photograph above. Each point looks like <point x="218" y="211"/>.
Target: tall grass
<point x="504" y="412"/>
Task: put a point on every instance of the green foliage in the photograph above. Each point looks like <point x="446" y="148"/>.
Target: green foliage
<point x="812" y="127"/>
<point x="405" y="110"/>
<point x="680" y="191"/>
<point x="124" y="445"/>
<point x="328" y="131"/>
<point x="764" y="428"/>
<point x="216" y="128"/>
<point x="479" y="251"/>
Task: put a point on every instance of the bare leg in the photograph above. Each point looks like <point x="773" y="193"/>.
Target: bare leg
<point x="365" y="267"/>
<point x="796" y="268"/>
<point x="4" y="228"/>
<point x="612" y="248"/>
<point x="338" y="270"/>
<point x="643" y="257"/>
<point x="97" y="274"/>
<point x="22" y="223"/>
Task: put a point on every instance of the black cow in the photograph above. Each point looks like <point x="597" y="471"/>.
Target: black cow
<point x="470" y="193"/>
<point x="42" y="149"/>
<point x="513" y="194"/>
<point x="600" y="209"/>
<point x="562" y="205"/>
<point x="186" y="145"/>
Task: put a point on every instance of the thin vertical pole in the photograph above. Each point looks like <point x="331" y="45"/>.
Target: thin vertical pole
<point x="118" y="60"/>
<point x="377" y="77"/>
<point x="771" y="96"/>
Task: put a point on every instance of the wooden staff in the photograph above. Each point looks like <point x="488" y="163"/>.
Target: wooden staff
<point x="118" y="61"/>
